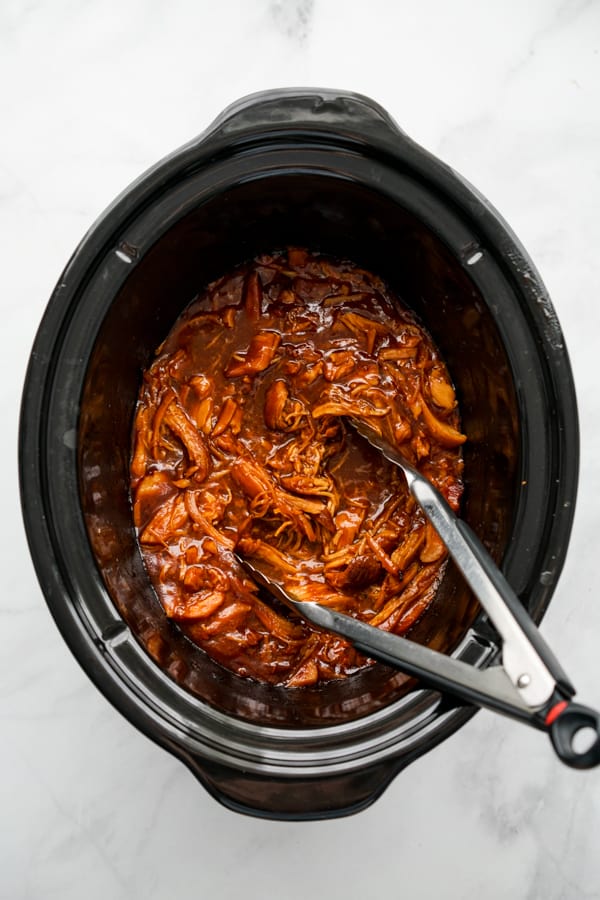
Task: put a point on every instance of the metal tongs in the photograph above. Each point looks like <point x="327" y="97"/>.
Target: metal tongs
<point x="530" y="684"/>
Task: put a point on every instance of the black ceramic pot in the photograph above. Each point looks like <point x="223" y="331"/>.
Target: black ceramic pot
<point x="331" y="172"/>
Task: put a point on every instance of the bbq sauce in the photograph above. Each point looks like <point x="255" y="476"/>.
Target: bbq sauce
<point x="240" y="444"/>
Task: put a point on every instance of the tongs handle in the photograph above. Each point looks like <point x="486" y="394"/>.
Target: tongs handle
<point x="490" y="687"/>
<point x="562" y="719"/>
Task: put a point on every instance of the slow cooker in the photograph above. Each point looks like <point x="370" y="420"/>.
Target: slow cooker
<point x="330" y="171"/>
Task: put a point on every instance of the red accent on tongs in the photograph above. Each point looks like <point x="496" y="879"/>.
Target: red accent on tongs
<point x="555" y="712"/>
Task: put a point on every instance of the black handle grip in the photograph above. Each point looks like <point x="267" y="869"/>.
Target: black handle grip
<point x="563" y="729"/>
<point x="306" y="107"/>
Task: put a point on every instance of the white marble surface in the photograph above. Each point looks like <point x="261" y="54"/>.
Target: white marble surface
<point x="90" y="95"/>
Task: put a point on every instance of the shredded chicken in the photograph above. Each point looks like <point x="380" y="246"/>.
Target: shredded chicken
<point x="240" y="444"/>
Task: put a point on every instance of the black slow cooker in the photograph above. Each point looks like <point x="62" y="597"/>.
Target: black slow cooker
<point x="330" y="171"/>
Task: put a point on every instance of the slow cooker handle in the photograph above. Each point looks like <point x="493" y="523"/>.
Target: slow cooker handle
<point x="294" y="799"/>
<point x="314" y="108"/>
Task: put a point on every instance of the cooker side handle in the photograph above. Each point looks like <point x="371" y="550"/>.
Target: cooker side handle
<point x="298" y="108"/>
<point x="291" y="799"/>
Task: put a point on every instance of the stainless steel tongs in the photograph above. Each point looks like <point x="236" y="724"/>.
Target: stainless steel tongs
<point x="529" y="685"/>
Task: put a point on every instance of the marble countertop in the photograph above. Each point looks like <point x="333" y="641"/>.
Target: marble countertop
<point x="91" y="94"/>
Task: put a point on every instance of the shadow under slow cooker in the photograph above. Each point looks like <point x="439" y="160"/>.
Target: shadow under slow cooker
<point x="345" y="219"/>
